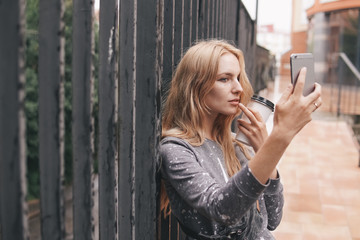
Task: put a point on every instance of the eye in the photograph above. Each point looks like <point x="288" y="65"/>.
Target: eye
<point x="223" y="79"/>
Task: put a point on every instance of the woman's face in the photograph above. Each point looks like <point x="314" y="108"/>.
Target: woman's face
<point x="224" y="97"/>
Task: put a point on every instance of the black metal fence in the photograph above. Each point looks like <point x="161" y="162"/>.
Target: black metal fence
<point x="140" y="43"/>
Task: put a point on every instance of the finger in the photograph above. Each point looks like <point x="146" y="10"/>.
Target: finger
<point x="316" y="106"/>
<point x="317" y="103"/>
<point x="244" y="109"/>
<point x="243" y="123"/>
<point x="256" y="114"/>
<point x="248" y="113"/>
<point x="317" y="90"/>
<point x="244" y="130"/>
<point x="314" y="95"/>
<point x="286" y="94"/>
<point x="300" y="82"/>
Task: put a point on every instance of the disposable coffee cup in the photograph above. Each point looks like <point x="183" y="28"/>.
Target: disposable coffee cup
<point x="263" y="106"/>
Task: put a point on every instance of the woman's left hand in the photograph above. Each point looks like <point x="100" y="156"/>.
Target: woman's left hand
<point x="255" y="130"/>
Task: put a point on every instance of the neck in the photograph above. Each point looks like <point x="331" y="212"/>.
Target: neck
<point x="208" y="125"/>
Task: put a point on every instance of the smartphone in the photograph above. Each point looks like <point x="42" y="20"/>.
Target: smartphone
<point x="298" y="61"/>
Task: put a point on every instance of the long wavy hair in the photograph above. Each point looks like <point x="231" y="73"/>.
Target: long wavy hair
<point x="185" y="106"/>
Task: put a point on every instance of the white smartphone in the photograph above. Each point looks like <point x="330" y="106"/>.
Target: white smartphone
<point x="298" y="61"/>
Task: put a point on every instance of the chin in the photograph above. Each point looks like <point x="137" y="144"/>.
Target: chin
<point x="229" y="113"/>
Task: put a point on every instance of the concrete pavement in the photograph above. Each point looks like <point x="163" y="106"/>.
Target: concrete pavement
<point x="321" y="179"/>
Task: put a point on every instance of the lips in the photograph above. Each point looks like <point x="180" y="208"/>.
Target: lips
<point x="234" y="101"/>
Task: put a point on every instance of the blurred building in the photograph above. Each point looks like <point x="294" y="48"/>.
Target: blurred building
<point x="334" y="28"/>
<point x="278" y="42"/>
<point x="299" y="28"/>
<point x="326" y="28"/>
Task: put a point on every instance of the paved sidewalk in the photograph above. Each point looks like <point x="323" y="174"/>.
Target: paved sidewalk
<point x="321" y="181"/>
<point x="321" y="178"/>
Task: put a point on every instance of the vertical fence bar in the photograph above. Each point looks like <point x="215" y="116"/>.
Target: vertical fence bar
<point x="127" y="87"/>
<point x="206" y="18"/>
<point x="148" y="110"/>
<point x="212" y="18"/>
<point x="166" y="225"/>
<point x="168" y="58"/>
<point x="139" y="120"/>
<point x="178" y="33"/>
<point x="82" y="118"/>
<point x="186" y="24"/>
<point x="224" y="11"/>
<point x="51" y="118"/>
<point x="177" y="43"/>
<point x="201" y="19"/>
<point x="231" y="20"/>
<point x="221" y="14"/>
<point x="194" y="20"/>
<point x="13" y="207"/>
<point x="238" y="16"/>
<point x="216" y="19"/>
<point x="226" y="27"/>
<point x="159" y="68"/>
<point x="107" y="151"/>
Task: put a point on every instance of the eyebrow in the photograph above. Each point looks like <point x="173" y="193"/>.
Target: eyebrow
<point x="227" y="74"/>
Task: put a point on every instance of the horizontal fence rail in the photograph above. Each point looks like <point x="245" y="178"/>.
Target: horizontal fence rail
<point x="140" y="43"/>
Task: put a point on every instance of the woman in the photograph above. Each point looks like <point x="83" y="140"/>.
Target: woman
<point x="217" y="187"/>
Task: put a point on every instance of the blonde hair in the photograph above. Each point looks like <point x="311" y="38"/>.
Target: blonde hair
<point x="185" y="107"/>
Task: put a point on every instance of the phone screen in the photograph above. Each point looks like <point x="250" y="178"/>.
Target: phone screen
<point x="298" y="61"/>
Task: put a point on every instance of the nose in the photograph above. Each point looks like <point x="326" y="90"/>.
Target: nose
<point x="237" y="88"/>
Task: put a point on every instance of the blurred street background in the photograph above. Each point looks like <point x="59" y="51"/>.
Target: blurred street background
<point x="321" y="178"/>
<point x="320" y="170"/>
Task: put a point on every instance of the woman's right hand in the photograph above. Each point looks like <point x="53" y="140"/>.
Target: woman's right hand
<point x="293" y="110"/>
<point x="292" y="113"/>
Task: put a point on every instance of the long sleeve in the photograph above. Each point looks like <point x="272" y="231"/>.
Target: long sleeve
<point x="189" y="178"/>
<point x="274" y="202"/>
<point x="273" y="195"/>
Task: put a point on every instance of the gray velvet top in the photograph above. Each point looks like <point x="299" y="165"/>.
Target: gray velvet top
<point x="206" y="201"/>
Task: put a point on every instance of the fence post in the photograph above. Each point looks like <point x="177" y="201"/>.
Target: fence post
<point x="186" y="24"/>
<point x="178" y="30"/>
<point x="82" y="126"/>
<point x="168" y="57"/>
<point x="139" y="113"/>
<point x="13" y="208"/>
<point x="107" y="151"/>
<point x="169" y="226"/>
<point x="126" y="120"/>
<point x="194" y="20"/>
<point x="51" y="118"/>
<point x="148" y="117"/>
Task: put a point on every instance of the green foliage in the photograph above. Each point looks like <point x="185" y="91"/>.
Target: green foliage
<point x="31" y="103"/>
<point x="68" y="91"/>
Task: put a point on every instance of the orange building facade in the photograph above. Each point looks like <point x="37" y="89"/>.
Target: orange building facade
<point x="325" y="28"/>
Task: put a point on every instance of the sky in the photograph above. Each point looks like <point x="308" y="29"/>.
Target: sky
<point x="276" y="12"/>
